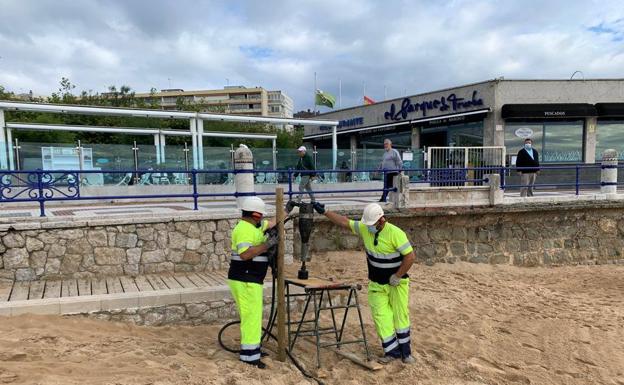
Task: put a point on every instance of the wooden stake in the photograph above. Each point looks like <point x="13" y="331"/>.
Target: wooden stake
<point x="281" y="306"/>
<point x="370" y="365"/>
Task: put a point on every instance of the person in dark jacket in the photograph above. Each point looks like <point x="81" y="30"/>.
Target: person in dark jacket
<point x="305" y="163"/>
<point x="527" y="157"/>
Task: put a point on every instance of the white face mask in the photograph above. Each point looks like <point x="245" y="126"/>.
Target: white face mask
<point x="372" y="229"/>
<point x="527" y="146"/>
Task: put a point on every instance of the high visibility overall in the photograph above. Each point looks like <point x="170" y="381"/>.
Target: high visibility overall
<point x="245" y="279"/>
<point x="389" y="305"/>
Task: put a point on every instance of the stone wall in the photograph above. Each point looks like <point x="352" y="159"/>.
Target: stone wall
<point x="523" y="235"/>
<point x="181" y="314"/>
<point x="197" y="313"/>
<point x="131" y="246"/>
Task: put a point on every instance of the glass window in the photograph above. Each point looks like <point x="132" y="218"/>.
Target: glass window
<point x="557" y="142"/>
<point x="610" y="135"/>
<point x="563" y="142"/>
<point x="466" y="135"/>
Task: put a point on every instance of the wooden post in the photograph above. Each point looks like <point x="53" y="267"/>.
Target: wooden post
<point x="281" y="315"/>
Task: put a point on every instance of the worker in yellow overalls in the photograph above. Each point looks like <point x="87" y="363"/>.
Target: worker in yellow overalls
<point x="389" y="255"/>
<point x="248" y="268"/>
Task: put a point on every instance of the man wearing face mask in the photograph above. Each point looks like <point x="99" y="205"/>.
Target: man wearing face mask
<point x="389" y="256"/>
<point x="248" y="268"/>
<point x="527" y="157"/>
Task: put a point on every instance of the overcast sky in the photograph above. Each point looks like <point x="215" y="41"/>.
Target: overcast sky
<point x="404" y="46"/>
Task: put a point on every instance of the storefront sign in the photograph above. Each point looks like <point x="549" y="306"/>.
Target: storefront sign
<point x="351" y="122"/>
<point x="345" y="123"/>
<point x="548" y="111"/>
<point x="524" y="132"/>
<point x="451" y="102"/>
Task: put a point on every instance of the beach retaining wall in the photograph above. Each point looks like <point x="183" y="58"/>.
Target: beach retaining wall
<point x="117" y="246"/>
<point x="529" y="234"/>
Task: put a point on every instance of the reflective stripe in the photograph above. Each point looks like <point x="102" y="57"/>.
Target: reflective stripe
<point x="384" y="265"/>
<point x="250" y="346"/>
<point x="356" y="227"/>
<point x="389" y="339"/>
<point x="404" y="246"/>
<point x="405" y="340"/>
<point x="243" y="244"/>
<point x="255" y="357"/>
<point x="383" y="256"/>
<point x="404" y="330"/>
<point x="391" y="347"/>
<point x="259" y="258"/>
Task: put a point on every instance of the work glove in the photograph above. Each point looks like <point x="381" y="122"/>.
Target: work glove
<point x="394" y="280"/>
<point x="272" y="241"/>
<point x="319" y="207"/>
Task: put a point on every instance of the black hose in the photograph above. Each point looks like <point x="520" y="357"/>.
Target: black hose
<point x="269" y="334"/>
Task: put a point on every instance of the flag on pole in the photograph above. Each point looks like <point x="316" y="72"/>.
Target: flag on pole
<point x="325" y="99"/>
<point x="368" y="100"/>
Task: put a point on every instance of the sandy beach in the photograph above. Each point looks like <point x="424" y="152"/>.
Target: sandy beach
<point x="471" y="324"/>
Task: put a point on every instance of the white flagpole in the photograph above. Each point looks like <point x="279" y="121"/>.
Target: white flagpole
<point x="385" y="93"/>
<point x="339" y="93"/>
<point x="364" y="91"/>
<point x="314" y="93"/>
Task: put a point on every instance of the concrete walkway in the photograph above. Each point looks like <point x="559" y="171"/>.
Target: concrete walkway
<point x="77" y="210"/>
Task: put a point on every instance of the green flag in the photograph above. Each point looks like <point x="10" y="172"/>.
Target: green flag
<point x="325" y="99"/>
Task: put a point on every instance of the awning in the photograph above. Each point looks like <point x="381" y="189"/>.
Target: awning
<point x="610" y="109"/>
<point x="548" y="111"/>
<point x="443" y="118"/>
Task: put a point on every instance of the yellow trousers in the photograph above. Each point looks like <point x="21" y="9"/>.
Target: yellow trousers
<point x="389" y="307"/>
<point x="248" y="297"/>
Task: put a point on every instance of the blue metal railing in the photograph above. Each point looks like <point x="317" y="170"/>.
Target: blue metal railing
<point x="577" y="184"/>
<point x="65" y="185"/>
<point x="62" y="185"/>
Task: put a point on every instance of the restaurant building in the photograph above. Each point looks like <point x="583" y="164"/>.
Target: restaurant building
<point x="570" y="121"/>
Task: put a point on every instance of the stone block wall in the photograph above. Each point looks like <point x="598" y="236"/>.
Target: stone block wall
<point x="522" y="235"/>
<point x="130" y="246"/>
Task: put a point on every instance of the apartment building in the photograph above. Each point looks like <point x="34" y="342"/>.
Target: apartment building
<point x="229" y="100"/>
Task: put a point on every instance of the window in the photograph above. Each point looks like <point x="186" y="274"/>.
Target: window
<point x="466" y="135"/>
<point x="556" y="141"/>
<point x="609" y="135"/>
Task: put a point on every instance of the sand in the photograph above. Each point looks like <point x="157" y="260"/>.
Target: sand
<point x="471" y="324"/>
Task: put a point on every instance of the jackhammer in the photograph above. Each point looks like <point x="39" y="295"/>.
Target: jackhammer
<point x="306" y="222"/>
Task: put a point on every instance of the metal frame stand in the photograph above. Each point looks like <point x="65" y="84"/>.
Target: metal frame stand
<point x="315" y="290"/>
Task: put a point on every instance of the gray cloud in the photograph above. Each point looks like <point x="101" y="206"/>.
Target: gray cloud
<point x="404" y="46"/>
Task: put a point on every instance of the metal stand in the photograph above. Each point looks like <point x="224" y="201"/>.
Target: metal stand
<point x="315" y="291"/>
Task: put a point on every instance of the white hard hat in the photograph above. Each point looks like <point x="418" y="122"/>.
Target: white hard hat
<point x="254" y="204"/>
<point x="302" y="148"/>
<point x="371" y="214"/>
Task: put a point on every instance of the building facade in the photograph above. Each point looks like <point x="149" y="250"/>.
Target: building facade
<point x="255" y="101"/>
<point x="570" y="121"/>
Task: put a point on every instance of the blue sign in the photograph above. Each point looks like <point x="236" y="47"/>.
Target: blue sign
<point x="451" y="102"/>
<point x="345" y="123"/>
<point x="351" y="122"/>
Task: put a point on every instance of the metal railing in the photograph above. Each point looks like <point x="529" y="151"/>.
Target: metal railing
<point x="551" y="182"/>
<point x="44" y="186"/>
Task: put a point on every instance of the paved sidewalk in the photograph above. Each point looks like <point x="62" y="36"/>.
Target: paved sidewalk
<point x="7" y="211"/>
